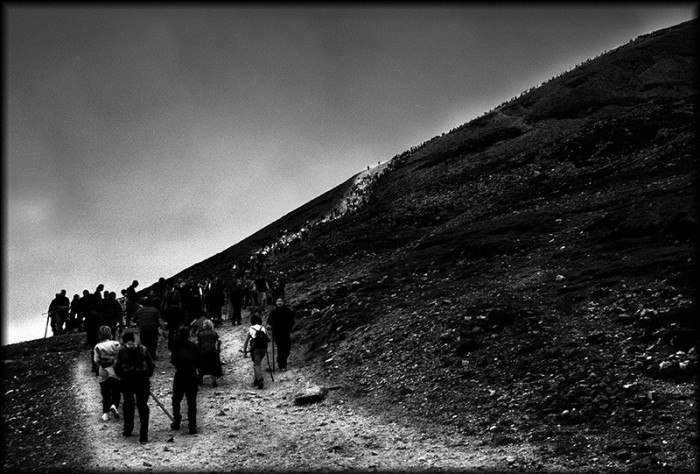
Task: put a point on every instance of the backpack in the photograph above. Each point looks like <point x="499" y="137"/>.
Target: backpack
<point x="260" y="340"/>
<point x="134" y="362"/>
<point x="106" y="361"/>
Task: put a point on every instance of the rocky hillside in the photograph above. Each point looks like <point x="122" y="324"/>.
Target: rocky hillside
<point x="528" y="276"/>
<point x="531" y="274"/>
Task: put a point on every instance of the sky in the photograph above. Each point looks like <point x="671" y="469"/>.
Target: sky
<point x="140" y="141"/>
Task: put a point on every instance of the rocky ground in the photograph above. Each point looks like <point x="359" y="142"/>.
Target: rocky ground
<point x="240" y="427"/>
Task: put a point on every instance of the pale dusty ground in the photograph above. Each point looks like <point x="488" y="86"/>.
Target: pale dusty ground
<point x="243" y="428"/>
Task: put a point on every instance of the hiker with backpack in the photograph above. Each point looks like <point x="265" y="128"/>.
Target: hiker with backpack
<point x="258" y="339"/>
<point x="210" y="347"/>
<point x="104" y="355"/>
<point x="187" y="360"/>
<point x="134" y="366"/>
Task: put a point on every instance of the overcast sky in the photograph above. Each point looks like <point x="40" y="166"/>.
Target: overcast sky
<point x="141" y="141"/>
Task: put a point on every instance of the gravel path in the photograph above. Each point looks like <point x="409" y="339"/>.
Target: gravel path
<point x="244" y="428"/>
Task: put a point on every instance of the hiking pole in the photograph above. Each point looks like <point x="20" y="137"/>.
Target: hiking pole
<point x="162" y="407"/>
<point x="272" y="331"/>
<point x="267" y="356"/>
<point x="46" y="329"/>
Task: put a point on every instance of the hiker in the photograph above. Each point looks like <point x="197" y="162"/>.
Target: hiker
<point x="236" y="297"/>
<point x="112" y="311"/>
<point x="62" y="313"/>
<point x="134" y="366"/>
<point x="187" y="360"/>
<point x="132" y="301"/>
<point x="281" y="322"/>
<point x="92" y="322"/>
<point x="55" y="311"/>
<point x="197" y="325"/>
<point x="75" y="319"/>
<point x="209" y="346"/>
<point x="149" y="322"/>
<point x="172" y="312"/>
<point x="258" y="339"/>
<point x="104" y="355"/>
<point x="261" y="287"/>
<point x="215" y="299"/>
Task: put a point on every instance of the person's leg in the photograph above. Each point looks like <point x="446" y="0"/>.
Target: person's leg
<point x="149" y="338"/>
<point x="258" y="355"/>
<point x="129" y="407"/>
<point x="192" y="406"/>
<point x="105" y="391"/>
<point x="142" y="394"/>
<point x="283" y="347"/>
<point x="178" y="393"/>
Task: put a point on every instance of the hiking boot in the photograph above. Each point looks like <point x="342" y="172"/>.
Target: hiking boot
<point x="175" y="425"/>
<point x="214" y="384"/>
<point x="114" y="411"/>
<point x="193" y="430"/>
<point x="105" y="416"/>
<point x="143" y="439"/>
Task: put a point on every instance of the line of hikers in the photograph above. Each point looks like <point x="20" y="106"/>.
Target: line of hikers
<point x="192" y="299"/>
<point x="195" y="347"/>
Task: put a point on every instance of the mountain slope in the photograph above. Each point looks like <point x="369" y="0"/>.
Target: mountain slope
<point x="530" y="275"/>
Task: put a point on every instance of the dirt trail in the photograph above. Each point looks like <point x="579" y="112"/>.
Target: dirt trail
<point x="241" y="427"/>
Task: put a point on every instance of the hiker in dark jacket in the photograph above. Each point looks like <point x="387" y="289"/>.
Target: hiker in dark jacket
<point x="134" y="366"/>
<point x="209" y="346"/>
<point x="75" y="320"/>
<point x="236" y="297"/>
<point x="149" y="322"/>
<point x="187" y="360"/>
<point x="112" y="311"/>
<point x="281" y="321"/>
<point x="172" y="312"/>
<point x="132" y="301"/>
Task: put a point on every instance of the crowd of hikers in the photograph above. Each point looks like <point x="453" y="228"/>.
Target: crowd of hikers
<point x="123" y="336"/>
<point x="187" y="313"/>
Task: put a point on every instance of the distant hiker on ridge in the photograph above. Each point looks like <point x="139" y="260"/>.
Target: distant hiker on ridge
<point x="132" y="301"/>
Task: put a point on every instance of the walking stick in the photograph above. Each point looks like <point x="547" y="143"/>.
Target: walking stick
<point x="267" y="356"/>
<point x="162" y="407"/>
<point x="272" y="333"/>
<point x="46" y="329"/>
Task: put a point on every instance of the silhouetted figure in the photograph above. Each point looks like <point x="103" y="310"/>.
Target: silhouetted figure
<point x="134" y="366"/>
<point x="132" y="301"/>
<point x="172" y="312"/>
<point x="188" y="363"/>
<point x="209" y="346"/>
<point x="281" y="321"/>
<point x="147" y="318"/>
<point x="236" y="297"/>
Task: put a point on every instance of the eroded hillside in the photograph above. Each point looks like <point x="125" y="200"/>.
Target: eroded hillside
<point x="532" y="273"/>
